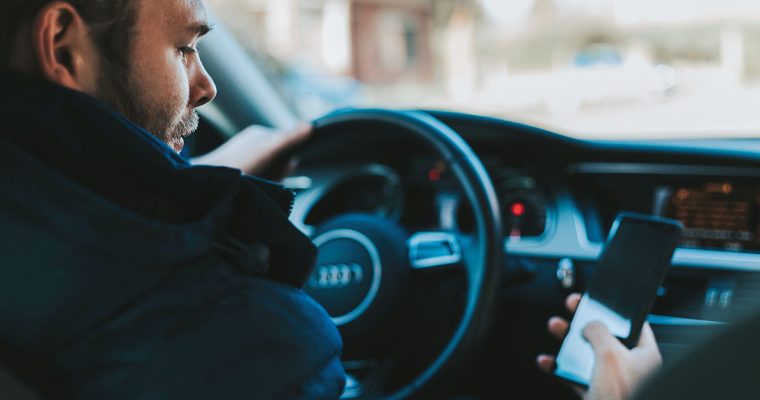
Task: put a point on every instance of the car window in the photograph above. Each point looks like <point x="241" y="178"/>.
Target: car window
<point x="610" y="69"/>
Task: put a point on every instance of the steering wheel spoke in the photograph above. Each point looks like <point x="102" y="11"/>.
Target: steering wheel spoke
<point x="434" y="251"/>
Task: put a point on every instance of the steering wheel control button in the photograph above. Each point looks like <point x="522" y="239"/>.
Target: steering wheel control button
<point x="434" y="250"/>
<point x="347" y="276"/>
<point x="566" y="273"/>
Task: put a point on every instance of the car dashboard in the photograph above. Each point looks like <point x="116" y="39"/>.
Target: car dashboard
<point x="558" y="197"/>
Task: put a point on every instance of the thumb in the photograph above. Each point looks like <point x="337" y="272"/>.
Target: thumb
<point x="647" y="339"/>
<point x="297" y="135"/>
<point x="600" y="338"/>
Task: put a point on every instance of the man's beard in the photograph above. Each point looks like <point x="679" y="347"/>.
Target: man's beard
<point x="163" y="119"/>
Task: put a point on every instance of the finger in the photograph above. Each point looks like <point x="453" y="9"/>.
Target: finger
<point x="580" y="391"/>
<point x="571" y="302"/>
<point x="256" y="133"/>
<point x="275" y="150"/>
<point x="600" y="338"/>
<point x="546" y="363"/>
<point x="286" y="146"/>
<point x="647" y="338"/>
<point x="558" y="327"/>
<point x="297" y="135"/>
<point x="280" y="170"/>
<point x="285" y="169"/>
<point x="292" y="166"/>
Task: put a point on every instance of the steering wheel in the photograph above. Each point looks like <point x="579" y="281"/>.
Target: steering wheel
<point x="367" y="263"/>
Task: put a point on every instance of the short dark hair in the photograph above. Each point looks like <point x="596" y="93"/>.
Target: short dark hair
<point x="111" y="23"/>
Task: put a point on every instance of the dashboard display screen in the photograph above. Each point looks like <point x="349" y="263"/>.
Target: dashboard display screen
<point x="716" y="215"/>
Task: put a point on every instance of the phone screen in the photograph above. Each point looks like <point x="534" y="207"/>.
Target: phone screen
<point x="622" y="290"/>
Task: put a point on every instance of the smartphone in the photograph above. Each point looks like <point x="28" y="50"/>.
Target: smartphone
<point x="622" y="290"/>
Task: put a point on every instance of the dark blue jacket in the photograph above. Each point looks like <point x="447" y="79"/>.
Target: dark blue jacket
<point x="127" y="273"/>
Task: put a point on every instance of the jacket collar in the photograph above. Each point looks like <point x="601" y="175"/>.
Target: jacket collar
<point x="94" y="147"/>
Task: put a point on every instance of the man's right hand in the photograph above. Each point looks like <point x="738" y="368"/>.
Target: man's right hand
<point x="618" y="371"/>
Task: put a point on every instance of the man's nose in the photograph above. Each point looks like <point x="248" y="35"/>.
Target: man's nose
<point x="203" y="87"/>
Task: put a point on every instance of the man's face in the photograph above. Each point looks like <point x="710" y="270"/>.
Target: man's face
<point x="165" y="80"/>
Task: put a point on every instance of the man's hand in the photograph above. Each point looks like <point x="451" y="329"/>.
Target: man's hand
<point x="258" y="150"/>
<point x="617" y="370"/>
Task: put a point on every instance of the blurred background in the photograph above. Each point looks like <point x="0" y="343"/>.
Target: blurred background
<point x="609" y="69"/>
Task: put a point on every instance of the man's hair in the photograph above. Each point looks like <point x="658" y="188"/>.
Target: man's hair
<point x="111" y="23"/>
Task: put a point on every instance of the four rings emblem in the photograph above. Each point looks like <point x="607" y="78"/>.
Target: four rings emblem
<point x="336" y="276"/>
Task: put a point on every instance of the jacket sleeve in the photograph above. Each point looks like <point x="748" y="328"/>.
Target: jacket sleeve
<point x="259" y="340"/>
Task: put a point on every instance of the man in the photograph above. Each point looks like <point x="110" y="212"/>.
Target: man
<point x="126" y="272"/>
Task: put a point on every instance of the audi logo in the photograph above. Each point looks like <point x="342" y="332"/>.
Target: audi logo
<point x="336" y="276"/>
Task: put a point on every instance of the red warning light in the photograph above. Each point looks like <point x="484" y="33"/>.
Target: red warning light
<point x="434" y="175"/>
<point x="517" y="209"/>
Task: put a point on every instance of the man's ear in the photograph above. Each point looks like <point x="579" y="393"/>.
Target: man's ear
<point x="64" y="49"/>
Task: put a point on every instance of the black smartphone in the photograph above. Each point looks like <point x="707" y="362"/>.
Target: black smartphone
<point x="622" y="290"/>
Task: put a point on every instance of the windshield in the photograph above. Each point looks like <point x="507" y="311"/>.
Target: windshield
<point x="605" y="69"/>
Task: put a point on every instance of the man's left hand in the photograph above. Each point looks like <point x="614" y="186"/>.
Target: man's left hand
<point x="259" y="151"/>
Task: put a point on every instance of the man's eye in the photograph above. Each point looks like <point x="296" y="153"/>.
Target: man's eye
<point x="188" y="50"/>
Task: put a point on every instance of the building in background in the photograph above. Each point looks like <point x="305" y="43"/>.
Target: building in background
<point x="398" y="49"/>
<point x="590" y="65"/>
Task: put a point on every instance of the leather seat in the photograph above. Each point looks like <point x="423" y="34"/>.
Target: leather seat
<point x="13" y="389"/>
<point x="726" y="368"/>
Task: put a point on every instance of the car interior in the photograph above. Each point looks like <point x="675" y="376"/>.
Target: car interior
<point x="509" y="218"/>
<point x="477" y="228"/>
